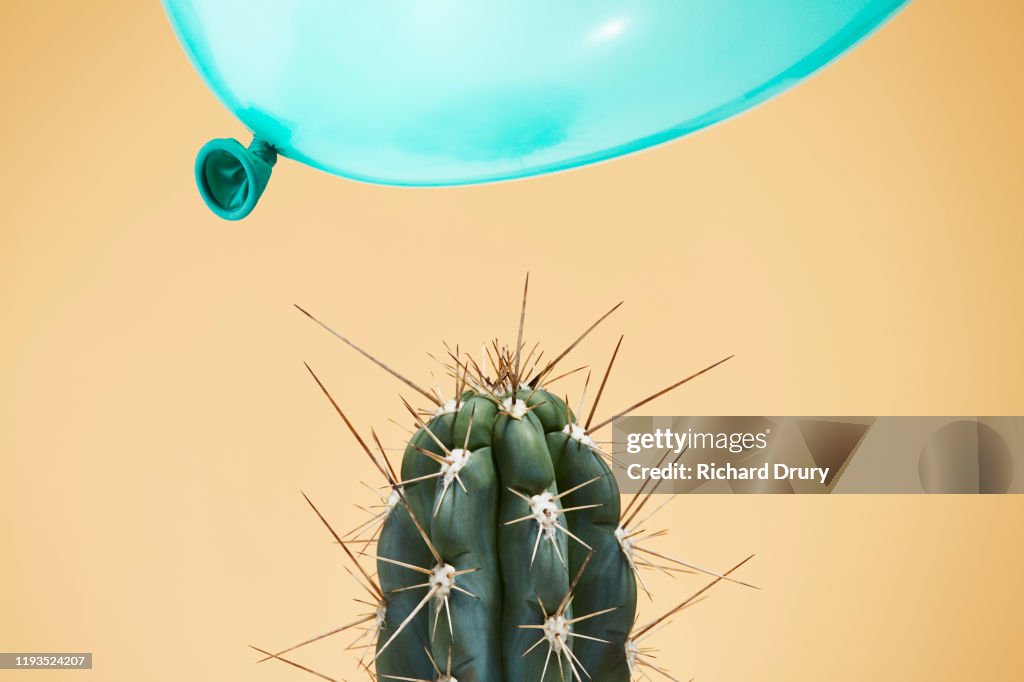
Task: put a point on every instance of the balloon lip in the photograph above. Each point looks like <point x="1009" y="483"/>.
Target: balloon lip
<point x="243" y="156"/>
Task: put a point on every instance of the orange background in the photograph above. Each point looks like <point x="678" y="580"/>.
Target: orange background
<point x="856" y="242"/>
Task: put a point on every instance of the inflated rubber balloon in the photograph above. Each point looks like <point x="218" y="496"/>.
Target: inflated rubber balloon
<point x="449" y="92"/>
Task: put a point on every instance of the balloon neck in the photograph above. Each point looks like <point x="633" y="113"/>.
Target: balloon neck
<point x="231" y="178"/>
<point x="263" y="150"/>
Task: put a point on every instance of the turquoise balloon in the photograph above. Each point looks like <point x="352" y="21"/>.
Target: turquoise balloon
<point x="451" y="92"/>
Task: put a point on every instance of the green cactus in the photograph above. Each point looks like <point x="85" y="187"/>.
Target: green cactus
<point x="502" y="550"/>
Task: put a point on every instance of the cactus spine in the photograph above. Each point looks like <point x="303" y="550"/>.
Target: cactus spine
<point x="503" y="552"/>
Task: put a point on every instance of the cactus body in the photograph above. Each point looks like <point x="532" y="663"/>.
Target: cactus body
<point x="496" y="510"/>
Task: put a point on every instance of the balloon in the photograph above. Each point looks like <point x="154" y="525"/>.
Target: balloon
<point x="450" y="92"/>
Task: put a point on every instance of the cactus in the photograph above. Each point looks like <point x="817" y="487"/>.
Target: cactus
<point x="503" y="552"/>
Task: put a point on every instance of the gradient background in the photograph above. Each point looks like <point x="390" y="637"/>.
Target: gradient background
<point x="857" y="243"/>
